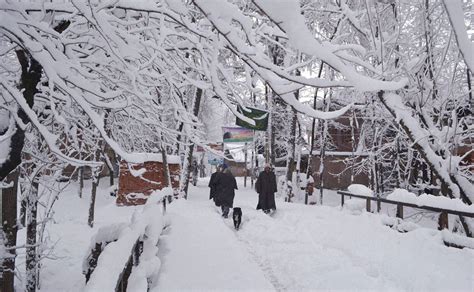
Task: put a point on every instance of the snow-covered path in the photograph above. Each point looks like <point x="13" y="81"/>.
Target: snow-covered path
<point x="199" y="252"/>
<point x="302" y="248"/>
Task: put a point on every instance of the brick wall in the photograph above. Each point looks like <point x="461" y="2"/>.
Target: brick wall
<point x="337" y="175"/>
<point x="135" y="190"/>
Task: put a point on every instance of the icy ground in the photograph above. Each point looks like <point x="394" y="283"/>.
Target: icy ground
<point x="299" y="248"/>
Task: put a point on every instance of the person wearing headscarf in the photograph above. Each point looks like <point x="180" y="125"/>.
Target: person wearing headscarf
<point x="266" y="187"/>
<point x="226" y="186"/>
<point x="213" y="193"/>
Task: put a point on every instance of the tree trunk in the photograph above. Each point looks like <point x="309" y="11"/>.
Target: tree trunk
<point x="22" y="219"/>
<point x="268" y="132"/>
<point x="9" y="220"/>
<point x="111" y="177"/>
<point x="81" y="180"/>
<point x="313" y="125"/>
<point x="322" y="154"/>
<point x="166" y="168"/>
<point x="272" y="120"/>
<point x="95" y="184"/>
<point x="189" y="159"/>
<point x="468" y="72"/>
<point x="291" y="150"/>
<point x="108" y="163"/>
<point x="31" y="255"/>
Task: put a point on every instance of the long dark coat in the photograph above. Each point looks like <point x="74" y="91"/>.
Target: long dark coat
<point x="266" y="187"/>
<point x="213" y="185"/>
<point x="226" y="185"/>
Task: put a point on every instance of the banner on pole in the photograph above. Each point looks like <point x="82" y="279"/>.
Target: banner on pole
<point x="214" y="159"/>
<point x="259" y="116"/>
<point x="237" y="135"/>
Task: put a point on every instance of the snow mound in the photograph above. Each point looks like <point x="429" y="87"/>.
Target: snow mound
<point x="442" y="202"/>
<point x="355" y="206"/>
<point x="452" y="239"/>
<point x="361" y="190"/>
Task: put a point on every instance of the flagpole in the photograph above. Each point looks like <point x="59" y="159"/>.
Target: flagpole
<point x="252" y="174"/>
<point x="245" y="174"/>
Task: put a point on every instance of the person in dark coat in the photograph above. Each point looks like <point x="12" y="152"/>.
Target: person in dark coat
<point x="226" y="184"/>
<point x="266" y="187"/>
<point x="213" y="187"/>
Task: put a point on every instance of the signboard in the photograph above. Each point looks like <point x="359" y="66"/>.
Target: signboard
<point x="214" y="159"/>
<point x="237" y="135"/>
<point x="259" y="116"/>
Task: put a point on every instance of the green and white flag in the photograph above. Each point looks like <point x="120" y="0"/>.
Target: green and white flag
<point x="259" y="116"/>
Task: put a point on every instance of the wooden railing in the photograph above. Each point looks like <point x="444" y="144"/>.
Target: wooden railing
<point x="133" y="261"/>
<point x="118" y="278"/>
<point x="443" y="218"/>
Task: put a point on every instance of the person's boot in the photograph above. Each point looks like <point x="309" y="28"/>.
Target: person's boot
<point x="225" y="212"/>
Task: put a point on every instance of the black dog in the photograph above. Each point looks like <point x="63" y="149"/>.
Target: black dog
<point x="237" y="216"/>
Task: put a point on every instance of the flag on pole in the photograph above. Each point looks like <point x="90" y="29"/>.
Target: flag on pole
<point x="259" y="116"/>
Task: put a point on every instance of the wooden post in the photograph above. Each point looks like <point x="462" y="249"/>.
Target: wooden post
<point x="342" y="200"/>
<point x="443" y="221"/>
<point x="93" y="258"/>
<point x="400" y="211"/>
<point x="367" y="205"/>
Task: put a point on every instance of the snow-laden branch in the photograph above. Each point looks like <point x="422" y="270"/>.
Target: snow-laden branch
<point x="49" y="137"/>
<point x="222" y="15"/>
<point x="456" y="18"/>
<point x="442" y="167"/>
<point x="85" y="78"/>
<point x="287" y="16"/>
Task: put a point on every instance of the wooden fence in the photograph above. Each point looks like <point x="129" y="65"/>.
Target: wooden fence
<point x="100" y="266"/>
<point x="442" y="221"/>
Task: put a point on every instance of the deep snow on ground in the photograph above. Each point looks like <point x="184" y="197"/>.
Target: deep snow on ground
<point x="309" y="248"/>
<point x="71" y="236"/>
<point x="298" y="248"/>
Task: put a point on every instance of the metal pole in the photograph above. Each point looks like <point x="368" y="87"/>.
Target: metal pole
<point x="245" y="175"/>
<point x="252" y="166"/>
